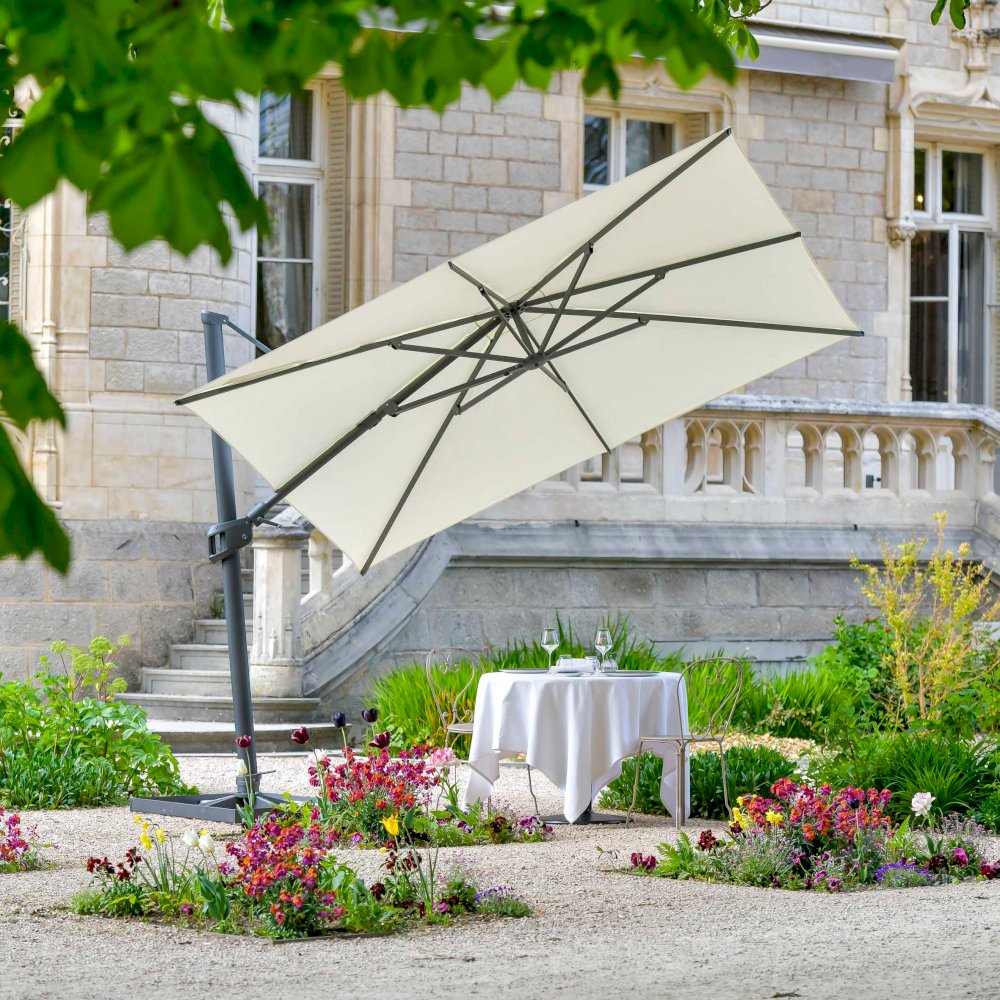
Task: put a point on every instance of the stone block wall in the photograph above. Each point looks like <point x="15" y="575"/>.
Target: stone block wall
<point x="141" y="579"/>
<point x="848" y="15"/>
<point x="476" y="172"/>
<point x="773" y="611"/>
<point x="821" y="147"/>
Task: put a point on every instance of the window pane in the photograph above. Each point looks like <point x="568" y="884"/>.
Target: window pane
<point x="645" y="143"/>
<point x="929" y="264"/>
<point x="920" y="180"/>
<point x="289" y="207"/>
<point x="284" y="301"/>
<point x="286" y="126"/>
<point x="961" y="182"/>
<point x="929" y="351"/>
<point x="971" y="318"/>
<point x="596" y="131"/>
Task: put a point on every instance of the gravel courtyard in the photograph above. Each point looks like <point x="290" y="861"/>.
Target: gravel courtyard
<point x="595" y="933"/>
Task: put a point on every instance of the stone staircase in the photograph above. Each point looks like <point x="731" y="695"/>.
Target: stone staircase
<point x="190" y="704"/>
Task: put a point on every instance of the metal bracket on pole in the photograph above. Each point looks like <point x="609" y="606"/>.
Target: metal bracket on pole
<point x="229" y="537"/>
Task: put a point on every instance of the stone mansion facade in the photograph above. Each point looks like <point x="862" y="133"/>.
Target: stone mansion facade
<point x="879" y="135"/>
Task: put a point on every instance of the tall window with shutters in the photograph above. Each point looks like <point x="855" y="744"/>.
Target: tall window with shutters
<point x="953" y="207"/>
<point x="302" y="178"/>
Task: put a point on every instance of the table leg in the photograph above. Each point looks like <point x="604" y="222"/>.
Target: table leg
<point x="587" y="817"/>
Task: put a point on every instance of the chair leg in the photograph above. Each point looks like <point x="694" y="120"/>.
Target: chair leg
<point x="725" y="782"/>
<point x="538" y="811"/>
<point x="635" y="787"/>
<point x="679" y="806"/>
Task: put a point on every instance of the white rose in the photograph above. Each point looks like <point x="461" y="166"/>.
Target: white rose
<point x="206" y="843"/>
<point x="190" y="838"/>
<point x="921" y="803"/>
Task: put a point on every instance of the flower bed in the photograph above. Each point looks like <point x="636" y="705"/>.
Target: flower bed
<point x="17" y="853"/>
<point x="816" y="839"/>
<point x="283" y="880"/>
<point x="367" y="799"/>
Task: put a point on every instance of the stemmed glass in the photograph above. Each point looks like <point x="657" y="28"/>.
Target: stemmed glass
<point x="550" y="642"/>
<point x="602" y="643"/>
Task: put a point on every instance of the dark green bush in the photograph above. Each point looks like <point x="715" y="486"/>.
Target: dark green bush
<point x="962" y="776"/>
<point x="68" y="743"/>
<point x="750" y="770"/>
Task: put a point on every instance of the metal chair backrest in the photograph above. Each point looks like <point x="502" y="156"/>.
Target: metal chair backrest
<point x="713" y="686"/>
<point x="444" y="670"/>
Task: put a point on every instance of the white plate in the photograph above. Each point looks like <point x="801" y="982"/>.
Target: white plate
<point x="523" y="670"/>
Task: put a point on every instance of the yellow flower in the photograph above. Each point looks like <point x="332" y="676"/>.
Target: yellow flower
<point x="145" y="825"/>
<point x="739" y="817"/>
<point x="161" y="834"/>
<point x="136" y="820"/>
<point x="741" y="800"/>
<point x="145" y="841"/>
<point x="774" y="817"/>
<point x="391" y="824"/>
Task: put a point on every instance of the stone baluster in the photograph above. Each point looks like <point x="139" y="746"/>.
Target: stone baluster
<point x="276" y="668"/>
<point x="321" y="564"/>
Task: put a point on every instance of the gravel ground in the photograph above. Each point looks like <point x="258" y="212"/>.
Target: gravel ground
<point x="594" y="931"/>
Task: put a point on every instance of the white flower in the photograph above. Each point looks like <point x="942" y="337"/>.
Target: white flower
<point x="921" y="803"/>
<point x="241" y="768"/>
<point x="206" y="843"/>
<point x="190" y="838"/>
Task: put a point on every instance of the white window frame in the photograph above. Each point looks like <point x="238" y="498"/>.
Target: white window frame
<point x="273" y="170"/>
<point x="933" y="219"/>
<point x="617" y="132"/>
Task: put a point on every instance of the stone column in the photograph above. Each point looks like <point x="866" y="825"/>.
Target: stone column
<point x="276" y="668"/>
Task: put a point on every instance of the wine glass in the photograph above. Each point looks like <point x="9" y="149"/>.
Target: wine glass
<point x="550" y="642"/>
<point x="602" y="643"/>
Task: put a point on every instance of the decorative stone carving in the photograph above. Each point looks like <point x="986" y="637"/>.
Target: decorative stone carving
<point x="901" y="231"/>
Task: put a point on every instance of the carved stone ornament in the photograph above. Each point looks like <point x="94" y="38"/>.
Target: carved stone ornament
<point x="901" y="231"/>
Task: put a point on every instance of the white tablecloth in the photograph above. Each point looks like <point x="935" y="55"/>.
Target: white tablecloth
<point x="575" y="730"/>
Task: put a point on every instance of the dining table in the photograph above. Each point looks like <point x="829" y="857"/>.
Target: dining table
<point x="576" y="729"/>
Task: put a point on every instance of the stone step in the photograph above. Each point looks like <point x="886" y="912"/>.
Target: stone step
<point x="203" y="683"/>
<point x="217" y="708"/>
<point x="218" y="737"/>
<point x="212" y="632"/>
<point x="198" y="656"/>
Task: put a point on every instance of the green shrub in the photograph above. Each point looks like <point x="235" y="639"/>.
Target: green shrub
<point x="750" y="770"/>
<point x="67" y="743"/>
<point x="961" y="776"/>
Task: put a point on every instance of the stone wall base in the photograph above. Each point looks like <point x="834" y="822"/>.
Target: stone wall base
<point x="145" y="579"/>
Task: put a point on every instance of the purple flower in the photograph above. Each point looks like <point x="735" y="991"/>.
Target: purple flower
<point x="381" y="741"/>
<point x="356" y="838"/>
<point x="370" y="715"/>
<point x="339" y="720"/>
<point x="960" y="857"/>
<point x="300" y="736"/>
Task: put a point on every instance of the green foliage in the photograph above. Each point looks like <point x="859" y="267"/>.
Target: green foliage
<point x="961" y="776"/>
<point x="956" y="11"/>
<point x="750" y="770"/>
<point x="66" y="743"/>
<point x="26" y="522"/>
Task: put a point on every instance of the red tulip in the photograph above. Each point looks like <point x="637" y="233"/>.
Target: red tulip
<point x="381" y="741"/>
<point x="243" y="741"/>
<point x="301" y="736"/>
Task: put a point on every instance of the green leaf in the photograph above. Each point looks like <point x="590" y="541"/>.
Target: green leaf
<point x="26" y="523"/>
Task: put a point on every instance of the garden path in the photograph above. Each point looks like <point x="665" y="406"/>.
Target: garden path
<point x="594" y="932"/>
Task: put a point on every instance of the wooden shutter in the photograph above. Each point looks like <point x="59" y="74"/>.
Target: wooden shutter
<point x="336" y="199"/>
<point x="15" y="261"/>
<point x="694" y="128"/>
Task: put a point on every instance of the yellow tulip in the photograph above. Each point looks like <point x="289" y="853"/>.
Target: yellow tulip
<point x="391" y="824"/>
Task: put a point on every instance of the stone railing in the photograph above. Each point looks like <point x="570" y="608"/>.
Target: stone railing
<point x="745" y="460"/>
